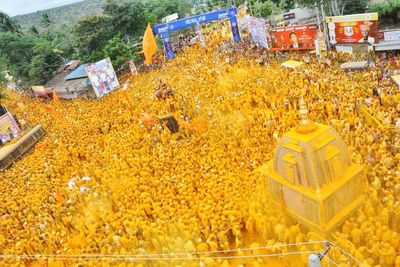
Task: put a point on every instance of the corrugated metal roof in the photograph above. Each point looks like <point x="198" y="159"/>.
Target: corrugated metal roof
<point x="73" y="64"/>
<point x="78" y="73"/>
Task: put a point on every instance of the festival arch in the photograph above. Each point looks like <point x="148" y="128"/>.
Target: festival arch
<point x="164" y="28"/>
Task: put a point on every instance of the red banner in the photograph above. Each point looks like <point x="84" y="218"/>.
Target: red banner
<point x="293" y="37"/>
<point x="352" y="32"/>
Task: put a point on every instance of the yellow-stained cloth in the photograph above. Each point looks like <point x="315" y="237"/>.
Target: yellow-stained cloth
<point x="149" y="45"/>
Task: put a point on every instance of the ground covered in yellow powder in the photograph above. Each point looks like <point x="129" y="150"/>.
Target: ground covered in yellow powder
<point x="106" y="180"/>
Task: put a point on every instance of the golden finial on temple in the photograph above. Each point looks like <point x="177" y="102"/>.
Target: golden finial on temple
<point x="306" y="126"/>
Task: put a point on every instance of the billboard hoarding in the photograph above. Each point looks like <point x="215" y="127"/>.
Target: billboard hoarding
<point x="353" y="29"/>
<point x="103" y="77"/>
<point x="299" y="37"/>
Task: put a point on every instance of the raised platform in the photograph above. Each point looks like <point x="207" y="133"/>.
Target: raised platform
<point x="12" y="152"/>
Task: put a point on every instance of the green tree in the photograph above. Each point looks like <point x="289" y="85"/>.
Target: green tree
<point x="31" y="59"/>
<point x="33" y="30"/>
<point x="263" y="9"/>
<point x="91" y="35"/>
<point x="387" y="9"/>
<point x="17" y="52"/>
<point x="3" y="80"/>
<point x="119" y="51"/>
<point x="258" y="8"/>
<point x="46" y="20"/>
<point x="44" y="62"/>
<point x="7" y="24"/>
<point x="162" y="8"/>
<point x="127" y="18"/>
<point x="336" y="7"/>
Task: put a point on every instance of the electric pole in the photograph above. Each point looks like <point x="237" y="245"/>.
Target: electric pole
<point x="316" y="11"/>
<point x="324" y="24"/>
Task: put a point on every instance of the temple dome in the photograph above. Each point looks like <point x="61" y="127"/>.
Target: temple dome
<point x="312" y="177"/>
<point x="313" y="159"/>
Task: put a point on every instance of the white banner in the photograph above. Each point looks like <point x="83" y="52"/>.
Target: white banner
<point x="258" y="31"/>
<point x="390" y="36"/>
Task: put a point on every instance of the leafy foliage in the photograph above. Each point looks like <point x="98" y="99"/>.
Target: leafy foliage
<point x="127" y="18"/>
<point x="158" y="9"/>
<point x="356" y="7"/>
<point x="30" y="58"/>
<point x="44" y="62"/>
<point x="388" y="8"/>
<point x="259" y="8"/>
<point x="91" y="35"/>
<point x="7" y="24"/>
<point x="119" y="52"/>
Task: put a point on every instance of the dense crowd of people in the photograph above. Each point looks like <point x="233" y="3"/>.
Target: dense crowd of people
<point x="108" y="179"/>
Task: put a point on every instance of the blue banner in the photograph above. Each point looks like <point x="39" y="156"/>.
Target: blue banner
<point x="169" y="51"/>
<point x="195" y="20"/>
<point x="163" y="29"/>
<point x="235" y="29"/>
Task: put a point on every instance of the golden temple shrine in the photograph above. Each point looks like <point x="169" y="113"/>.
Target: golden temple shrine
<point x="312" y="176"/>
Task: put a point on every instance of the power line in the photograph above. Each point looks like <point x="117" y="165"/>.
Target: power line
<point x="173" y="256"/>
<point x="32" y="257"/>
<point x="183" y="253"/>
<point x="348" y="254"/>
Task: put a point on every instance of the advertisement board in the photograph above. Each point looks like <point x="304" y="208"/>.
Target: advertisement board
<point x="353" y="29"/>
<point x="103" y="77"/>
<point x="258" y="31"/>
<point x="392" y="35"/>
<point x="299" y="37"/>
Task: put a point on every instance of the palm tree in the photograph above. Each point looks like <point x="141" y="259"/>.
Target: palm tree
<point x="47" y="22"/>
<point x="7" y="24"/>
<point x="34" y="30"/>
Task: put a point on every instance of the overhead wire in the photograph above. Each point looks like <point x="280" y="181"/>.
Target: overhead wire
<point x="32" y="257"/>
<point x="177" y="256"/>
<point x="185" y="253"/>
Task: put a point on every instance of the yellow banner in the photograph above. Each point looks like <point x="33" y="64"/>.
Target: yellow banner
<point x="355" y="17"/>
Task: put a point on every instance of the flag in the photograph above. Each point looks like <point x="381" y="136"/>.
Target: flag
<point x="57" y="116"/>
<point x="149" y="45"/>
<point x="198" y="125"/>
<point x="59" y="196"/>
<point x="148" y="119"/>
<point x="125" y="95"/>
<point x="56" y="99"/>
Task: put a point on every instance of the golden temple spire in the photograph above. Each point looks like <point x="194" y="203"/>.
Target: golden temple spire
<point x="305" y="126"/>
<point x="303" y="111"/>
